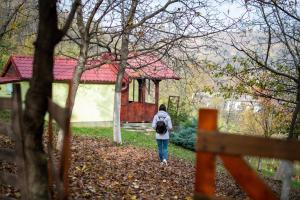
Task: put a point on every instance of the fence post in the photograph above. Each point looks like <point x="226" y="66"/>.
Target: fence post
<point x="205" y="162"/>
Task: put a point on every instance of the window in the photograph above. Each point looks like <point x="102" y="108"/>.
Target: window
<point x="9" y="88"/>
<point x="150" y="91"/>
<point x="133" y="91"/>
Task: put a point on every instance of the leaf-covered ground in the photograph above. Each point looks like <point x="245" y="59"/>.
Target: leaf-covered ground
<point x="102" y="170"/>
<point x="107" y="171"/>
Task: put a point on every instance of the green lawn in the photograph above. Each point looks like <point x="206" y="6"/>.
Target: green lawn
<point x="138" y="139"/>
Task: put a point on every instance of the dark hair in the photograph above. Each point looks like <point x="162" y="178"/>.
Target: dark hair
<point x="162" y="107"/>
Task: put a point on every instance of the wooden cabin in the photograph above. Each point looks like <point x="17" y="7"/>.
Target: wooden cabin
<point x="95" y="96"/>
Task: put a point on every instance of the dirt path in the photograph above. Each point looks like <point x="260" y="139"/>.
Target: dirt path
<point x="106" y="171"/>
<point x="102" y="170"/>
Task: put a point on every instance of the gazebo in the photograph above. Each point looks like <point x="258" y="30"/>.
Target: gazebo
<point x="141" y="95"/>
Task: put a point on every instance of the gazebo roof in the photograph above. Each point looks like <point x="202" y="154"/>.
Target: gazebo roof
<point x="19" y="68"/>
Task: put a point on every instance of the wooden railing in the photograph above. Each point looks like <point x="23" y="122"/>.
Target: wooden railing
<point x="230" y="148"/>
<point x="138" y="112"/>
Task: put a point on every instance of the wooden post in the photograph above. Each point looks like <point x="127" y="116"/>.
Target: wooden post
<point x="156" y="82"/>
<point x="133" y="91"/>
<point x="17" y="113"/>
<point x="124" y="102"/>
<point x="140" y="96"/>
<point x="247" y="178"/>
<point x="205" y="162"/>
<point x="143" y="90"/>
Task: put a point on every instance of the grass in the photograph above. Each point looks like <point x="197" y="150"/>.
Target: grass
<point x="138" y="139"/>
<point x="267" y="173"/>
<point x="296" y="184"/>
<point x="269" y="167"/>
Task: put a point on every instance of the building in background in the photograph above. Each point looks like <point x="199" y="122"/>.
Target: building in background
<point x="95" y="96"/>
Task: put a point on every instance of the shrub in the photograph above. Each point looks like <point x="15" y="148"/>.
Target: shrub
<point x="181" y="116"/>
<point x="185" y="135"/>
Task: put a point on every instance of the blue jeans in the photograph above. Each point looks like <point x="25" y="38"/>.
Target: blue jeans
<point x="162" y="149"/>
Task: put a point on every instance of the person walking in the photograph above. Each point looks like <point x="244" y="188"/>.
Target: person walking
<point x="163" y="126"/>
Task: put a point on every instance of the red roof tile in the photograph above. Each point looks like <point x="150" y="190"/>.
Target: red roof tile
<point x="149" y="66"/>
<point x="20" y="68"/>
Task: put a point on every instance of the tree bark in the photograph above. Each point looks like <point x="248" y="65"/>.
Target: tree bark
<point x="284" y="173"/>
<point x="127" y="28"/>
<point x="74" y="87"/>
<point x="285" y="169"/>
<point x="295" y="123"/>
<point x="116" y="120"/>
<point x="117" y="97"/>
<point x="118" y="89"/>
<point x="259" y="164"/>
<point x="36" y="103"/>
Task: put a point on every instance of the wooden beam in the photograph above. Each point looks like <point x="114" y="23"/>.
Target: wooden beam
<point x="249" y="145"/>
<point x="246" y="177"/>
<point x="58" y="113"/>
<point x="156" y="83"/>
<point x="5" y="103"/>
<point x="142" y="90"/>
<point x="16" y="115"/>
<point x="6" y="129"/>
<point x="19" y="134"/>
<point x="7" y="155"/>
<point x="205" y="162"/>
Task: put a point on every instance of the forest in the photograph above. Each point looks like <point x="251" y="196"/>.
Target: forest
<point x="240" y="57"/>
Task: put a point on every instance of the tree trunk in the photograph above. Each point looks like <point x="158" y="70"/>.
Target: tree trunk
<point x="74" y="87"/>
<point x="284" y="173"/>
<point x="285" y="169"/>
<point x="295" y="123"/>
<point x="259" y="164"/>
<point x="117" y="102"/>
<point x="117" y="121"/>
<point x="36" y="103"/>
<point x="118" y="89"/>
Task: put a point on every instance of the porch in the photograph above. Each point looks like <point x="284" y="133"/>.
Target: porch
<point x="140" y="101"/>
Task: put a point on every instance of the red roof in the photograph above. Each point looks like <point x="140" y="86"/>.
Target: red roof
<point x="19" y="68"/>
<point x="149" y="66"/>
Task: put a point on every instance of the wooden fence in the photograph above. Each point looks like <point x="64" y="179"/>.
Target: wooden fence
<point x="230" y="148"/>
<point x="57" y="175"/>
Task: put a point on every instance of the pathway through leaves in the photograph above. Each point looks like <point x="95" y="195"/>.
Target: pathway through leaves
<point x="102" y="170"/>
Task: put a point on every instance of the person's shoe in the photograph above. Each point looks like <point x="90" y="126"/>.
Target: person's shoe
<point x="165" y="162"/>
